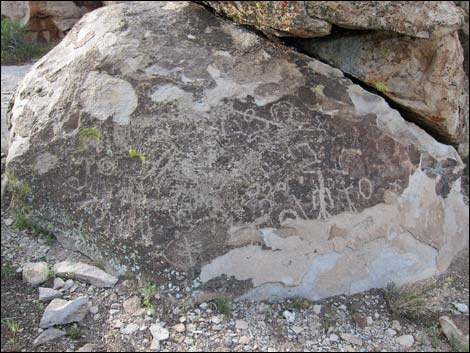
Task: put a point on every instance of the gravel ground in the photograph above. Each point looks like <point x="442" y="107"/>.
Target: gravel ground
<point x="363" y="322"/>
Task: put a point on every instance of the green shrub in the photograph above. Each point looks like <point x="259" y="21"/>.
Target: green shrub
<point x="14" y="47"/>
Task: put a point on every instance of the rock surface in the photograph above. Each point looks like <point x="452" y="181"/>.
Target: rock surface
<point x="47" y="336"/>
<point x="61" y="312"/>
<point x="308" y="19"/>
<point x="35" y="273"/>
<point x="411" y="51"/>
<point x="202" y="146"/>
<point x="46" y="294"/>
<point x="85" y="272"/>
<point x="423" y="76"/>
<point x="456" y="330"/>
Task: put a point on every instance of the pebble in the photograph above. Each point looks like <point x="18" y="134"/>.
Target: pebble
<point x="406" y="340"/>
<point x="241" y="325"/>
<point x="289" y="316"/>
<point x="462" y="307"/>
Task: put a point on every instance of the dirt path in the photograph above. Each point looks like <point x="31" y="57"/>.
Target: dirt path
<point x="11" y="76"/>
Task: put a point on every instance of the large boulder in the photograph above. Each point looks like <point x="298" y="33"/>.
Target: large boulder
<point x="423" y="76"/>
<point x="310" y="19"/>
<point x="200" y="145"/>
<point x="408" y="50"/>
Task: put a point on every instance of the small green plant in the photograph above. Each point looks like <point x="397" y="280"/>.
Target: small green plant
<point x="23" y="223"/>
<point x="451" y="72"/>
<point x="386" y="51"/>
<point x="93" y="132"/>
<point x="407" y="302"/>
<point x="15" y="48"/>
<point x="13" y="328"/>
<point x="74" y="332"/>
<point x="133" y="153"/>
<point x="318" y="89"/>
<point x="224" y="306"/>
<point x="299" y="303"/>
<point x="51" y="274"/>
<point x="149" y="290"/>
<point x="380" y="86"/>
<point x="8" y="271"/>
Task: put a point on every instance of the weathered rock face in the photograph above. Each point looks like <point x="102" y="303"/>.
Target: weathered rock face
<point x="309" y="19"/>
<point x="423" y="76"/>
<point x="47" y="20"/>
<point x="410" y="52"/>
<point x="200" y="145"/>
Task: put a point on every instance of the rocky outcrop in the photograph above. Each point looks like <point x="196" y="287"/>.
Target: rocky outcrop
<point x="47" y="20"/>
<point x="310" y="19"/>
<point x="200" y="145"/>
<point x="423" y="76"/>
<point x="409" y="51"/>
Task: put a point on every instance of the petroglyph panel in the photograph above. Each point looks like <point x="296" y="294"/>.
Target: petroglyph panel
<point x="209" y="142"/>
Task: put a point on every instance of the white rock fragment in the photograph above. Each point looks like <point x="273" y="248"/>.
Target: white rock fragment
<point x="85" y="272"/>
<point x="48" y="335"/>
<point x="46" y="294"/>
<point x="61" y="312"/>
<point x="35" y="273"/>
<point x="406" y="340"/>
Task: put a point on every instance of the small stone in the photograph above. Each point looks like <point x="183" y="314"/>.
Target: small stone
<point x="244" y="340"/>
<point x="115" y="306"/>
<point x="84" y="272"/>
<point x="228" y="342"/>
<point x="348" y="348"/>
<point x="180" y="328"/>
<point x="114" y="311"/>
<point x="48" y="335"/>
<point x="47" y="294"/>
<point x="58" y="283"/>
<point x="159" y="333"/>
<point x="132" y="305"/>
<point x="61" y="312"/>
<point x="68" y="284"/>
<point x="8" y="221"/>
<point x="241" y="325"/>
<point x="130" y="329"/>
<point x="289" y="316"/>
<point x="390" y="332"/>
<point x="406" y="340"/>
<point x="462" y="307"/>
<point x="297" y="329"/>
<point x="216" y="320"/>
<point x="333" y="338"/>
<point x="351" y="339"/>
<point x="317" y="309"/>
<point x="35" y="273"/>
<point x="396" y="325"/>
<point x="369" y="321"/>
<point x="203" y="306"/>
<point x="456" y="330"/>
<point x="94" y="309"/>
